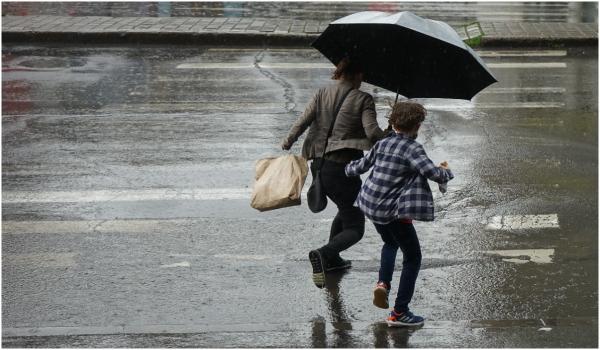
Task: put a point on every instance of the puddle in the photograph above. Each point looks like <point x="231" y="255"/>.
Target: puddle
<point x="522" y="256"/>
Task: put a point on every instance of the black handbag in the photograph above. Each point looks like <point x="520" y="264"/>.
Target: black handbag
<point x="316" y="197"/>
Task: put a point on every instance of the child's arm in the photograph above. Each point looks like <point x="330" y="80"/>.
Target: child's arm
<point x="419" y="160"/>
<point x="360" y="166"/>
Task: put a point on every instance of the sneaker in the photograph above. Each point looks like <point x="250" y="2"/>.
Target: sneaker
<point x="404" y="319"/>
<point x="338" y="264"/>
<point x="380" y="295"/>
<point x="318" y="266"/>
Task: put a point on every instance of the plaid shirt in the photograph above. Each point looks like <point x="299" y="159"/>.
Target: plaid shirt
<point x="397" y="188"/>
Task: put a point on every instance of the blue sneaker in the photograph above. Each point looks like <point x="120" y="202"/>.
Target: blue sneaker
<point x="406" y="318"/>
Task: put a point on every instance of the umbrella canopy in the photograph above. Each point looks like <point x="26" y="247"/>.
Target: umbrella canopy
<point x="407" y="54"/>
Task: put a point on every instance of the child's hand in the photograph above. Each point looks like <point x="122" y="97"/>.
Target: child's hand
<point x="444" y="165"/>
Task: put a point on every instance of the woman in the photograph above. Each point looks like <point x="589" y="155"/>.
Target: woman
<point x="355" y="130"/>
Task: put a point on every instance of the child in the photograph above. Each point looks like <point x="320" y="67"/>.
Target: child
<point x="395" y="193"/>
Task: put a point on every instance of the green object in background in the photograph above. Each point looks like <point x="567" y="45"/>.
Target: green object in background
<point x="473" y="34"/>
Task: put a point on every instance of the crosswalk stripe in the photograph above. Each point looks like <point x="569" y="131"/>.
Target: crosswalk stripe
<point x="525" y="90"/>
<point x="499" y="90"/>
<point x="115" y="226"/>
<point x="40" y="259"/>
<point x="269" y="107"/>
<point x="514" y="222"/>
<point x="91" y="226"/>
<point x="528" y="65"/>
<point x="179" y="264"/>
<point x="458" y="106"/>
<point x="481" y="53"/>
<point x="197" y="194"/>
<point x="219" y="65"/>
<point x="540" y="53"/>
<point x="126" y="195"/>
<point x="522" y="222"/>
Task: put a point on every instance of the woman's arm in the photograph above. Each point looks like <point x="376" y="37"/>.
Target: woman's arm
<point x="360" y="166"/>
<point x="419" y="160"/>
<point x="369" y="121"/>
<point x="300" y="126"/>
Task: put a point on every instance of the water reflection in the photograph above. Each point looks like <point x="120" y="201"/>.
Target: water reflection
<point x="391" y="337"/>
<point x="341" y="323"/>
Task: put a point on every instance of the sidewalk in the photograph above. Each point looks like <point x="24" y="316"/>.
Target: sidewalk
<point x="252" y="31"/>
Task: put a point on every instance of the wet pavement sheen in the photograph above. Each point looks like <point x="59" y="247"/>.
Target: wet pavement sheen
<point x="126" y="220"/>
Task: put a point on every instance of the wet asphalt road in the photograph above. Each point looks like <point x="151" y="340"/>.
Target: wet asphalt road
<point x="127" y="173"/>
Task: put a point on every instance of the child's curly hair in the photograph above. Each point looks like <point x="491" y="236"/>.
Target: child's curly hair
<point x="407" y="115"/>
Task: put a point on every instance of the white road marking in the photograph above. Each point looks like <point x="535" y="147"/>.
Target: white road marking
<point x="504" y="90"/>
<point x="287" y="65"/>
<point x="497" y="90"/>
<point x="91" y="226"/>
<point x="528" y="65"/>
<point x="267" y="107"/>
<point x="522" y="90"/>
<point x="248" y="257"/>
<point x="522" y="222"/>
<point x="124" y="226"/>
<point x="481" y="53"/>
<point x="126" y="195"/>
<point x="66" y="227"/>
<point x="180" y="264"/>
<point x="40" y="259"/>
<point x="518" y="53"/>
<point x="196" y="194"/>
<point x="458" y="106"/>
<point x="545" y="329"/>
<point x="291" y="50"/>
<point x="538" y="256"/>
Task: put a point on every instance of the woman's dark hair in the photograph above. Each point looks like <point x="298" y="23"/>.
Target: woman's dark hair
<point x="407" y="115"/>
<point x="347" y="68"/>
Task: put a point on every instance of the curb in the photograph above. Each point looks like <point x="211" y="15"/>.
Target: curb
<point x="164" y="38"/>
<point x="538" y="42"/>
<point x="246" y="39"/>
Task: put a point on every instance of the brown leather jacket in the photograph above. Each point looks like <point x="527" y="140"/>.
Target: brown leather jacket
<point x="356" y="125"/>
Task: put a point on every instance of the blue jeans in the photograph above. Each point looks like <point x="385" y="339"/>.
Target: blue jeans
<point x="400" y="235"/>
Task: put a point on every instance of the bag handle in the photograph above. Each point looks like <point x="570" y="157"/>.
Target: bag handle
<point x="337" y="111"/>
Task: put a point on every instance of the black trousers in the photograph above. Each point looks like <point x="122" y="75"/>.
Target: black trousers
<point x="348" y="226"/>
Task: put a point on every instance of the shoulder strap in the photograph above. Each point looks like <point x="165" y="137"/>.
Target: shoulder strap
<point x="337" y="111"/>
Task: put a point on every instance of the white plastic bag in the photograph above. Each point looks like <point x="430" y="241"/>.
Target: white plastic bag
<point x="279" y="182"/>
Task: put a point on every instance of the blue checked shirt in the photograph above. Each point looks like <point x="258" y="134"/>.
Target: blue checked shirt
<point x="397" y="188"/>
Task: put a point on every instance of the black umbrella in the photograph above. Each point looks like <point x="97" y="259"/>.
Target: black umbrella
<point x="407" y="54"/>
